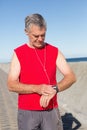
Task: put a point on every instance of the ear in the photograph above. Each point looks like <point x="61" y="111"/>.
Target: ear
<point x="26" y="31"/>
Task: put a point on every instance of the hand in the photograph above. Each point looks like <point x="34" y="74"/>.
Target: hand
<point x="45" y="99"/>
<point x="45" y="89"/>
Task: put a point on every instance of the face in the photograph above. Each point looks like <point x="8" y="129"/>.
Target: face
<point x="36" y="36"/>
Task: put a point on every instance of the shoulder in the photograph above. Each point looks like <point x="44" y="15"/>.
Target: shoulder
<point x="20" y="51"/>
<point x="52" y="51"/>
<point x="20" y="47"/>
<point x="52" y="47"/>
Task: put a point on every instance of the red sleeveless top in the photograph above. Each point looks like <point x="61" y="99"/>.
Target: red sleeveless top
<point x="32" y="72"/>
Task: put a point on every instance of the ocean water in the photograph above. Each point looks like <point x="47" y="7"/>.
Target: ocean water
<point x="76" y="59"/>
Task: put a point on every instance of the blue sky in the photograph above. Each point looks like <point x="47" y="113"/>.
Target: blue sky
<point x="66" y="25"/>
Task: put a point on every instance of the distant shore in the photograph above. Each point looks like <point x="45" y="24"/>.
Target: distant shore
<point x="79" y="59"/>
<point x="74" y="59"/>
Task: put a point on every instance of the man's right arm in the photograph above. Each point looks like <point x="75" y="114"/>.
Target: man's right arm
<point x="15" y="86"/>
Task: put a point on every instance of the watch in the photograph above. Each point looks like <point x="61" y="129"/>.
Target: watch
<point x="56" y="88"/>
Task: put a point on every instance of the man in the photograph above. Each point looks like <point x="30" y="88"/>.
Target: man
<point x="33" y="76"/>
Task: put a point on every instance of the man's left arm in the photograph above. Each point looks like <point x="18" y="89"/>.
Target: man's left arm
<point x="68" y="75"/>
<point x="68" y="79"/>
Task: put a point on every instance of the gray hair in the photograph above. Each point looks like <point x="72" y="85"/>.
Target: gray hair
<point x="35" y="19"/>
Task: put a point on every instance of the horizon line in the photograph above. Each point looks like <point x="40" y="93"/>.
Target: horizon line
<point x="72" y="59"/>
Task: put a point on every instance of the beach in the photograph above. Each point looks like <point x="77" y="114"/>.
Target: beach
<point x="72" y="102"/>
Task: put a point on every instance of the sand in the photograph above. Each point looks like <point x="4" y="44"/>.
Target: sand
<point x="74" y="99"/>
<point x="72" y="102"/>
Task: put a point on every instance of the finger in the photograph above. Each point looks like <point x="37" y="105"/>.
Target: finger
<point x="45" y="94"/>
<point x="47" y="89"/>
<point x="43" y="101"/>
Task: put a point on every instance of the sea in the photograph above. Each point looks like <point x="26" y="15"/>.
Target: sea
<point x="78" y="59"/>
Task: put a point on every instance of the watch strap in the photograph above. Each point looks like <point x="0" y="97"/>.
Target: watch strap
<point x="56" y="88"/>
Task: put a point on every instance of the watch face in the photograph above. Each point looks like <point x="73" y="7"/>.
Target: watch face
<point x="56" y="88"/>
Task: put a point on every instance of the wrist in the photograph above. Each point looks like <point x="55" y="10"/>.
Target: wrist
<point x="37" y="89"/>
<point x="56" y="88"/>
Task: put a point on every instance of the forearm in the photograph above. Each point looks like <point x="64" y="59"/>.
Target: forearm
<point x="16" y="86"/>
<point x="42" y="89"/>
<point x="66" y="82"/>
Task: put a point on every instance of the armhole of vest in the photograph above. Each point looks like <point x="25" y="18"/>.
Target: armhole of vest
<point x="17" y="56"/>
<point x="57" y="52"/>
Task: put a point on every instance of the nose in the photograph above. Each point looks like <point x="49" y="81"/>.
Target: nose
<point x="40" y="38"/>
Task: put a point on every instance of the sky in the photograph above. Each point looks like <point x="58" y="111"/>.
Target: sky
<point x="66" y="25"/>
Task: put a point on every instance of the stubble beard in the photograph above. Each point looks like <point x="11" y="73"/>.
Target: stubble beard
<point x="39" y="46"/>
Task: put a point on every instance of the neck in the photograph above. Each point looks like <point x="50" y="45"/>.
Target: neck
<point x="30" y="45"/>
<point x="36" y="47"/>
